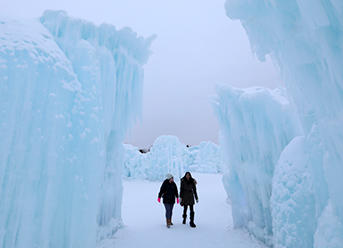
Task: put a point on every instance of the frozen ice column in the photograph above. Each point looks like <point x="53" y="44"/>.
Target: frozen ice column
<point x="165" y="156"/>
<point x="69" y="90"/>
<point x="255" y="124"/>
<point x="304" y="38"/>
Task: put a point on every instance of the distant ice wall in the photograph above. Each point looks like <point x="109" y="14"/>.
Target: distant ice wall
<point x="68" y="92"/>
<point x="165" y="156"/>
<point x="305" y="40"/>
<point x="169" y="155"/>
<point x="256" y="124"/>
<point x="207" y="159"/>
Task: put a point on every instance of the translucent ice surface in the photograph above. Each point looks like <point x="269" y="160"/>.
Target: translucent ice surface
<point x="256" y="124"/>
<point x="68" y="92"/>
<point x="305" y="40"/>
<point x="169" y="155"/>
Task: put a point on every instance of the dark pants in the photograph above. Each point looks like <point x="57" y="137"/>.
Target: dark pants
<point x="190" y="209"/>
<point x="169" y="210"/>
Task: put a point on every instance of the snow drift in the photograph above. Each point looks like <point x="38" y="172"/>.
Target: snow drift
<point x="68" y="92"/>
<point x="305" y="40"/>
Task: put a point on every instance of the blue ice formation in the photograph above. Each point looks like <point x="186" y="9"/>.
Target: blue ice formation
<point x="68" y="92"/>
<point x="257" y="124"/>
<point x="169" y="155"/>
<point x="302" y="174"/>
<point x="203" y="158"/>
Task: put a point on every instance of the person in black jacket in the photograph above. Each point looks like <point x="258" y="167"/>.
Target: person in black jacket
<point x="188" y="191"/>
<point x="169" y="192"/>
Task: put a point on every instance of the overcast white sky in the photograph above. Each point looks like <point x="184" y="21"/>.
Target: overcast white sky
<point x="197" y="47"/>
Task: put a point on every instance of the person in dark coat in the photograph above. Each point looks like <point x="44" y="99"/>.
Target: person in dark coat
<point x="188" y="192"/>
<point x="169" y="192"/>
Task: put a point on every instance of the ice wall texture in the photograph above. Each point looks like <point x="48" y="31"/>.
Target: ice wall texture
<point x="169" y="155"/>
<point x="256" y="123"/>
<point x="305" y="40"/>
<point x="68" y="92"/>
<point x="204" y="158"/>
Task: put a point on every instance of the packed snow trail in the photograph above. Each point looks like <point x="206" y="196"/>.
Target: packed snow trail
<point x="145" y="225"/>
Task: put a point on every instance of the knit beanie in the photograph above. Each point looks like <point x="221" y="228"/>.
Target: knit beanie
<point x="169" y="176"/>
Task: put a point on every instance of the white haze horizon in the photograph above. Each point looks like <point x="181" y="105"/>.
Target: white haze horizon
<point x="197" y="47"/>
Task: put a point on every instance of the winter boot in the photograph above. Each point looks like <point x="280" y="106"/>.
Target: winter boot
<point x="171" y="223"/>
<point x="168" y="223"/>
<point x="191" y="223"/>
<point x="184" y="216"/>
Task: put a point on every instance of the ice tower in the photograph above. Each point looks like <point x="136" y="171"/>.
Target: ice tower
<point x="68" y="92"/>
<point x="305" y="40"/>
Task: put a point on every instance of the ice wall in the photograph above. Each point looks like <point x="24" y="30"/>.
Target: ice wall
<point x="135" y="163"/>
<point x="169" y="155"/>
<point x="165" y="156"/>
<point x="68" y="92"/>
<point x="305" y="40"/>
<point x="204" y="158"/>
<point x="256" y="123"/>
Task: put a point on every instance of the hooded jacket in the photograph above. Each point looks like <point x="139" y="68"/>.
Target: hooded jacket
<point x="168" y="191"/>
<point x="188" y="191"/>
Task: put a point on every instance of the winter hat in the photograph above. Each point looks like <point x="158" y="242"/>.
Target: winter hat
<point x="169" y="176"/>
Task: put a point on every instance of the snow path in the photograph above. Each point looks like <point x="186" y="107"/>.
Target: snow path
<point x="145" y="225"/>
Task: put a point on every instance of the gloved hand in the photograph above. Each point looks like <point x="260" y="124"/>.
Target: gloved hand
<point x="177" y="201"/>
<point x="159" y="200"/>
<point x="197" y="200"/>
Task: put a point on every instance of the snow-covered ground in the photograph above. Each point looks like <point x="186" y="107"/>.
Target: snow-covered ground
<point x="145" y="225"/>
